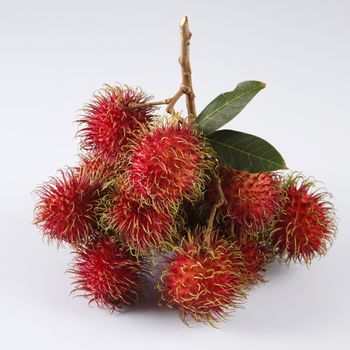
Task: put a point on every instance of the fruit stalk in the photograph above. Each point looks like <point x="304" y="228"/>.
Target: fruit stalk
<point x="134" y="105"/>
<point x="220" y="201"/>
<point x="184" y="60"/>
<point x="186" y="87"/>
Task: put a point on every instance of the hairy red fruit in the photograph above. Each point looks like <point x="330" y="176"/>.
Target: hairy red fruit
<point x="255" y="258"/>
<point x="142" y="227"/>
<point x="99" y="166"/>
<point x="108" y="120"/>
<point x="307" y="223"/>
<point x="168" y="162"/>
<point x="66" y="210"/>
<point x="204" y="280"/>
<point x="253" y="200"/>
<point x="106" y="274"/>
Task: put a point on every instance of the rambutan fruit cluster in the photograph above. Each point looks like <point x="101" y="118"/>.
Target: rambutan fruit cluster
<point x="205" y="211"/>
<point x="146" y="185"/>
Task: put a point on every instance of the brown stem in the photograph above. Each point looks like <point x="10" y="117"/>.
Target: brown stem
<point x="184" y="61"/>
<point x="221" y="200"/>
<point x="173" y="100"/>
<point x="134" y="105"/>
<point x="186" y="87"/>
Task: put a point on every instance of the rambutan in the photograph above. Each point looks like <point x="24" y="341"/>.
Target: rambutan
<point x="66" y="210"/>
<point x="169" y="161"/>
<point x="307" y="224"/>
<point x="142" y="227"/>
<point x="99" y="166"/>
<point x="253" y="200"/>
<point x="107" y="274"/>
<point x="255" y="258"/>
<point x="205" y="277"/>
<point x="109" y="119"/>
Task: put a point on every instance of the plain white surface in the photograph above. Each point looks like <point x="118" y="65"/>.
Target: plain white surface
<point x="54" y="54"/>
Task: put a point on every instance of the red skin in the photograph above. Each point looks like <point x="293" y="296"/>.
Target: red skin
<point x="140" y="226"/>
<point x="166" y="164"/>
<point x="306" y="225"/>
<point x="66" y="208"/>
<point x="106" y="274"/>
<point x="108" y="122"/>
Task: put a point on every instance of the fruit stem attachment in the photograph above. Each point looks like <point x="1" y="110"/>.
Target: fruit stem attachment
<point x="134" y="105"/>
<point x="220" y="201"/>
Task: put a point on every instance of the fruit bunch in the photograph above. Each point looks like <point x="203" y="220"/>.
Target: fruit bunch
<point x="203" y="210"/>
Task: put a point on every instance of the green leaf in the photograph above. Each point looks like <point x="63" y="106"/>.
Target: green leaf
<point x="243" y="151"/>
<point x="227" y="105"/>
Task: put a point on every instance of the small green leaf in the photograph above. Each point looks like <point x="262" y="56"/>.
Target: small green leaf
<point x="245" y="152"/>
<point x="227" y="105"/>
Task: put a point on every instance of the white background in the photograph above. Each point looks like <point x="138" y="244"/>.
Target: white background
<point x="54" y="54"/>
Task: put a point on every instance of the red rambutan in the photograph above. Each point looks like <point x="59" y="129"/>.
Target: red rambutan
<point x="99" y="166"/>
<point x="108" y="120"/>
<point x="168" y="162"/>
<point x="204" y="279"/>
<point x="255" y="258"/>
<point x="66" y="210"/>
<point x="106" y="274"/>
<point x="253" y="200"/>
<point x="141" y="226"/>
<point x="307" y="224"/>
